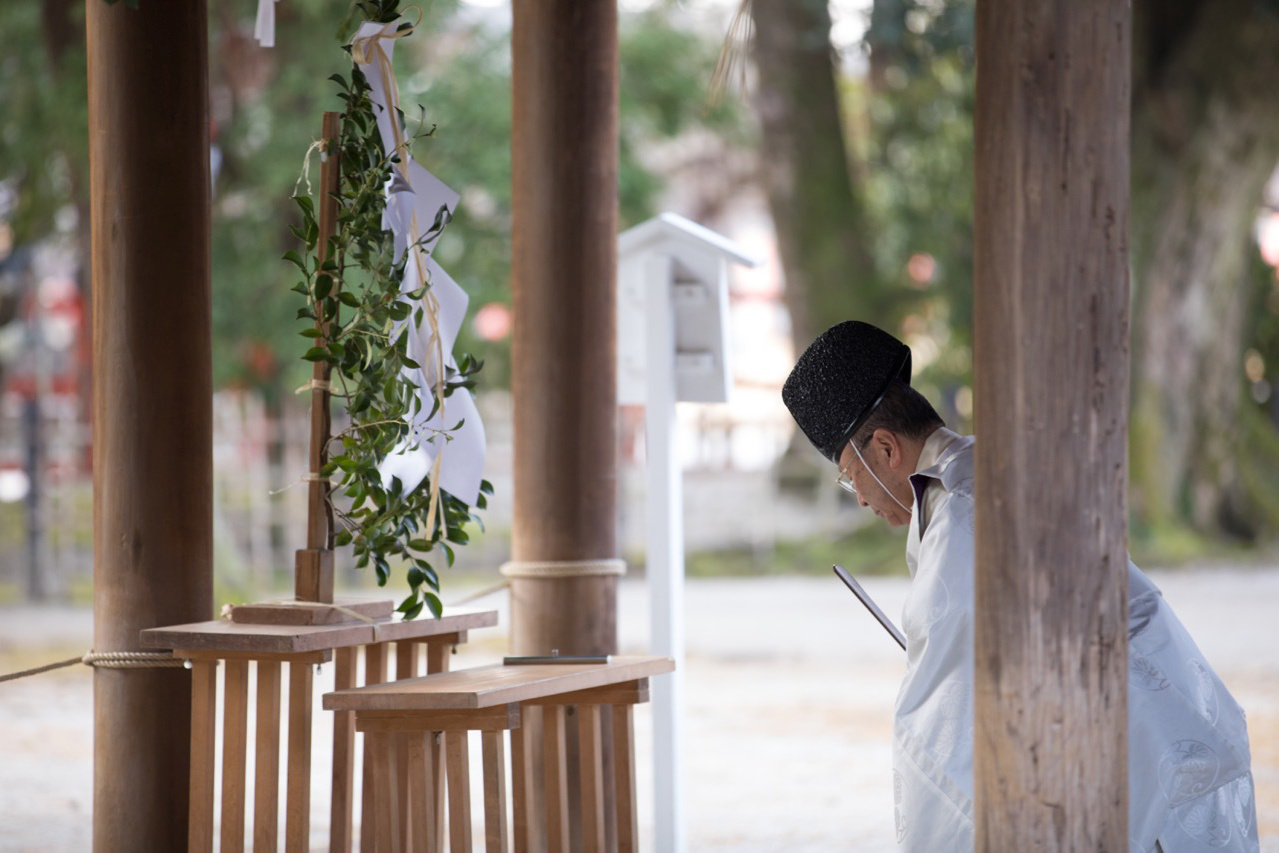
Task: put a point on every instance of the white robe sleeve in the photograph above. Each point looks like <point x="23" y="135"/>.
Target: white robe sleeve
<point x="933" y="723"/>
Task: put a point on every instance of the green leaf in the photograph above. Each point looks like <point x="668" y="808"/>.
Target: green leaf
<point x="308" y="206"/>
<point x="310" y="332"/>
<point x="433" y="602"/>
<point x="295" y="259"/>
<point x="316" y="354"/>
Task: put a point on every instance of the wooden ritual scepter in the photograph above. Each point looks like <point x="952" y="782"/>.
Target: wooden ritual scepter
<point x="313" y="565"/>
<point x="313" y="568"/>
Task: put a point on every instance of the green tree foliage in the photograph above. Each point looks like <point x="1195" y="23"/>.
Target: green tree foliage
<point x="1205" y="138"/>
<point x="44" y="114"/>
<point x="265" y="109"/>
<point x="915" y="107"/>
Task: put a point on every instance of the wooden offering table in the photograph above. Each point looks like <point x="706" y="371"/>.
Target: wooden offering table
<point x="301" y="646"/>
<point x="410" y="721"/>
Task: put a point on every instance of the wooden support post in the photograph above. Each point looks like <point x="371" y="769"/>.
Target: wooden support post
<point x="152" y="401"/>
<point x="342" y="805"/>
<point x="563" y="349"/>
<point x="266" y="759"/>
<point x="1051" y="353"/>
<point x="235" y="740"/>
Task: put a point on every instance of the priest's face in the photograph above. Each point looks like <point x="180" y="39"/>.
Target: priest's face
<point x="874" y="474"/>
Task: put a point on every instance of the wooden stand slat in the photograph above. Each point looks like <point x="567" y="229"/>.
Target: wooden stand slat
<point x="384" y="794"/>
<point x="493" y="747"/>
<point x="297" y="824"/>
<point x="342" y="806"/>
<point x="421" y="815"/>
<point x="204" y="687"/>
<point x="437" y="661"/>
<point x="406" y="660"/>
<point x="590" y="753"/>
<point x="525" y="811"/>
<point x="374" y="673"/>
<point x="624" y="778"/>
<point x="555" y="768"/>
<point x="266" y="760"/>
<point x="235" y="725"/>
<point x="459" y="789"/>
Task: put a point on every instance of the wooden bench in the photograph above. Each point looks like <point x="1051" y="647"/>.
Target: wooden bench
<point x="266" y="647"/>
<point x="408" y="723"/>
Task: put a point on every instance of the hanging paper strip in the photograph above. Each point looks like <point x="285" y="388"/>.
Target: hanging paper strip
<point x="446" y="443"/>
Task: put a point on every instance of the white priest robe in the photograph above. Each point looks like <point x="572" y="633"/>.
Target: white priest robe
<point x="1190" y="787"/>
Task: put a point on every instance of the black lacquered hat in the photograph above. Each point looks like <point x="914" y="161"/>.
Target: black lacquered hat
<point x="840" y="379"/>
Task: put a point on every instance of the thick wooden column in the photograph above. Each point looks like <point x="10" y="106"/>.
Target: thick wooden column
<point x="563" y="353"/>
<point x="152" y="410"/>
<point x="1051" y="352"/>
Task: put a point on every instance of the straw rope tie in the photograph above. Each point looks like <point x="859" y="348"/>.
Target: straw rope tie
<point x="106" y="660"/>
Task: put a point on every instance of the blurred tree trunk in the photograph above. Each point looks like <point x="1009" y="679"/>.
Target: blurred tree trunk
<point x="821" y="225"/>
<point x="1205" y="136"/>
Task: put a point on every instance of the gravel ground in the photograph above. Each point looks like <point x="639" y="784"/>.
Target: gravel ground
<point x="789" y="692"/>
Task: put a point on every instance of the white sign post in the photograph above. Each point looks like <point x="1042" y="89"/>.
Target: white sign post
<point x="672" y="337"/>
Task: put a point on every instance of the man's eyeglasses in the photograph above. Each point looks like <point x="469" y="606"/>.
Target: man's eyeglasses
<point x="845" y="480"/>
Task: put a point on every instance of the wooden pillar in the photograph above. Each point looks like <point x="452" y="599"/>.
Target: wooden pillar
<point x="1051" y="354"/>
<point x="563" y="352"/>
<point x="152" y="403"/>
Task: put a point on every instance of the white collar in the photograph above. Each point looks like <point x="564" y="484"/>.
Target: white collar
<point x="935" y="448"/>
